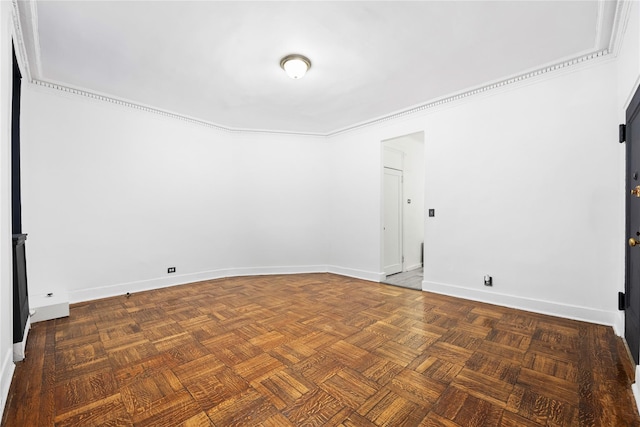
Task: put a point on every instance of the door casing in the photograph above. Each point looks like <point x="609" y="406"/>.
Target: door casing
<point x="632" y="227"/>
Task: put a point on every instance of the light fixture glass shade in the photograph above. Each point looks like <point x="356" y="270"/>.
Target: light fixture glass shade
<point x="295" y="66"/>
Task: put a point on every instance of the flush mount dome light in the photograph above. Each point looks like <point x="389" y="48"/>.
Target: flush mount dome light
<point x="295" y="65"/>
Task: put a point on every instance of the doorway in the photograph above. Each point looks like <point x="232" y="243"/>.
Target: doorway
<point x="21" y="321"/>
<point x="632" y="258"/>
<point x="403" y="177"/>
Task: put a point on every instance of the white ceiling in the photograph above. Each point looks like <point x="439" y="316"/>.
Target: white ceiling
<point x="219" y="61"/>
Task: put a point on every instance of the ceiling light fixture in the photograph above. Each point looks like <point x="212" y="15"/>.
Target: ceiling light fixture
<point x="295" y="65"/>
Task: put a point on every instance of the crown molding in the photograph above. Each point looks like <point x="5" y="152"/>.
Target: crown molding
<point x="20" y="48"/>
<point x="600" y="17"/>
<point x="619" y="27"/>
<point x="500" y="84"/>
<point x="123" y="103"/>
<point x="620" y="20"/>
<point x="66" y="89"/>
<point x="35" y="34"/>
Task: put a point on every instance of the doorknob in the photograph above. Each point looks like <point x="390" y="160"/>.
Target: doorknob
<point x="636" y="191"/>
<point x="633" y="242"/>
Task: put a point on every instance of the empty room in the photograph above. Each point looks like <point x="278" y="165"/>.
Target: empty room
<point x="319" y="213"/>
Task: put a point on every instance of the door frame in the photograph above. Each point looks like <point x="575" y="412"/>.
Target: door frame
<point x="382" y="276"/>
<point x="633" y="106"/>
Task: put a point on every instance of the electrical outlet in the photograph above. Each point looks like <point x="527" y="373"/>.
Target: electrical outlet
<point x="432" y="212"/>
<point x="488" y="280"/>
<point x="171" y="270"/>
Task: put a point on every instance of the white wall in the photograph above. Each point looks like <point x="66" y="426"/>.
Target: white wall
<point x="525" y="183"/>
<point x="355" y="209"/>
<point x="6" y="277"/>
<point x="279" y="202"/>
<point x="113" y="196"/>
<point x="413" y="214"/>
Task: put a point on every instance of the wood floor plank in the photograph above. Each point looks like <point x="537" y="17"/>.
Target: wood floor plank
<point x="350" y="388"/>
<point x="284" y="387"/>
<point x="416" y="387"/>
<point x="109" y="410"/>
<point x="314" y="408"/>
<point x="81" y="390"/>
<point x="530" y="403"/>
<point x="466" y="410"/>
<point x="387" y="408"/>
<point x="317" y="350"/>
<point x="435" y="368"/>
<point x="483" y="386"/>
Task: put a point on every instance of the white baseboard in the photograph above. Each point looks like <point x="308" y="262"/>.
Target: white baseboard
<point x="19" y="347"/>
<point x="358" y="274"/>
<point x="181" y="279"/>
<point x="613" y="319"/>
<point x="142" y="285"/>
<point x="585" y="314"/>
<point x="47" y="308"/>
<point x="618" y="323"/>
<point x="268" y="271"/>
<point x="8" y="367"/>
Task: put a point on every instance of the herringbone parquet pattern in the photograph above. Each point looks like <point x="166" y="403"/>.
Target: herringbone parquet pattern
<point x="314" y="350"/>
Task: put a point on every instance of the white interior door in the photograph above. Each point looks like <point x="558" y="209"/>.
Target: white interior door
<point x="392" y="221"/>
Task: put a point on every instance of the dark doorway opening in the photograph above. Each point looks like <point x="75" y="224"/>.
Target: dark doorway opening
<point x="16" y="201"/>
<point x="20" y="293"/>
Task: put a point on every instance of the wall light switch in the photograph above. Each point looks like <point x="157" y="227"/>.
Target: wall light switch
<point x="432" y="212"/>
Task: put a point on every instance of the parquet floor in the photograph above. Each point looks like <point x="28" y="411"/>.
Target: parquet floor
<point x="316" y="350"/>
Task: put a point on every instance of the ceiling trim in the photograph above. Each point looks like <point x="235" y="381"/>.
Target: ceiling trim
<point x="402" y="113"/>
<point x="146" y="108"/>
<point x="124" y="103"/>
<point x="478" y="90"/>
<point x="20" y="48"/>
<point x="599" y="24"/>
<point x="620" y="20"/>
<point x="35" y="34"/>
<point x="620" y="23"/>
